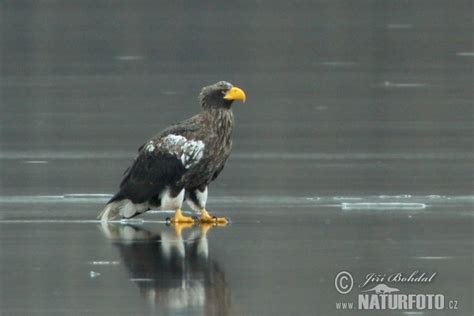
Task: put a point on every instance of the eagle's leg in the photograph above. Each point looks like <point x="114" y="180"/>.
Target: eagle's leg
<point x="197" y="198"/>
<point x="180" y="218"/>
<point x="172" y="198"/>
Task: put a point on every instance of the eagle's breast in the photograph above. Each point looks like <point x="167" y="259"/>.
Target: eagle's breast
<point x="216" y="133"/>
<point x="222" y="123"/>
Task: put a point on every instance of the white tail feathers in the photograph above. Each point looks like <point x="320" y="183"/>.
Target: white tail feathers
<point x="119" y="209"/>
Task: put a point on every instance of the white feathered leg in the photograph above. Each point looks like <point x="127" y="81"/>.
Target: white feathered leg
<point x="171" y="201"/>
<point x="197" y="200"/>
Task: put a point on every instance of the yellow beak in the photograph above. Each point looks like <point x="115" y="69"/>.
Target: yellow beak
<point x="235" y="94"/>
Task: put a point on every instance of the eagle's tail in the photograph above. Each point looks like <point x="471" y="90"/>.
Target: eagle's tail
<point x="118" y="209"/>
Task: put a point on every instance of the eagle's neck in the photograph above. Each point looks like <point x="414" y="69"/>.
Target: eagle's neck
<point x="221" y="122"/>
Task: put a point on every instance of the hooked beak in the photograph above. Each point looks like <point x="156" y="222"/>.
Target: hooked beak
<point x="235" y="94"/>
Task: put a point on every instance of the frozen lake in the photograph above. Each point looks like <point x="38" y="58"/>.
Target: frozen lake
<point x="354" y="152"/>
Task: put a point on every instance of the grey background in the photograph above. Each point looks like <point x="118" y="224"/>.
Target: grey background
<point x="348" y="101"/>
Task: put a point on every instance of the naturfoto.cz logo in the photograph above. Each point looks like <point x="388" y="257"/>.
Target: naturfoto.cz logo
<point x="375" y="294"/>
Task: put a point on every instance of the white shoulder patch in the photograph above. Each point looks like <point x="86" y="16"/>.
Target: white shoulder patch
<point x="189" y="151"/>
<point x="150" y="147"/>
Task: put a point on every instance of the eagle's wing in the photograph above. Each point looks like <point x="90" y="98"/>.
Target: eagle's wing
<point x="149" y="175"/>
<point x="161" y="161"/>
<point x="218" y="171"/>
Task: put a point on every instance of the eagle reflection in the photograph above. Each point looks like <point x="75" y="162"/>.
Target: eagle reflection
<point x="172" y="272"/>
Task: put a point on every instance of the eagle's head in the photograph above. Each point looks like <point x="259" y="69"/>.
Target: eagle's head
<point x="220" y="95"/>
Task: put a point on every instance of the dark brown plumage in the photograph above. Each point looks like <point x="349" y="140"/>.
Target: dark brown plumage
<point x="181" y="161"/>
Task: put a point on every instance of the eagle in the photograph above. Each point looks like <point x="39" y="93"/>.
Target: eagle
<point x="180" y="162"/>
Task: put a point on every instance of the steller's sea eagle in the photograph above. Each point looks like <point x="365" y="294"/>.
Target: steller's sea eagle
<point x="180" y="162"/>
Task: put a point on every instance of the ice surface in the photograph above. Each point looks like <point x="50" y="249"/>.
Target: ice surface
<point x="466" y="54"/>
<point x="102" y="263"/>
<point x="337" y="63"/>
<point x="368" y="201"/>
<point x="36" y="162"/>
<point x="128" y="57"/>
<point x="389" y="84"/>
<point x="383" y="206"/>
<point x="94" y="274"/>
<point x="399" y="26"/>
<point x="87" y="195"/>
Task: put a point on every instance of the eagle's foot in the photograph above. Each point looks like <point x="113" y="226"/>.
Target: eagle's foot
<point x="206" y="218"/>
<point x="180" y="218"/>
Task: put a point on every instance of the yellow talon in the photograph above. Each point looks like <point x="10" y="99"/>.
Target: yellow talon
<point x="207" y="218"/>
<point x="180" y="218"/>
